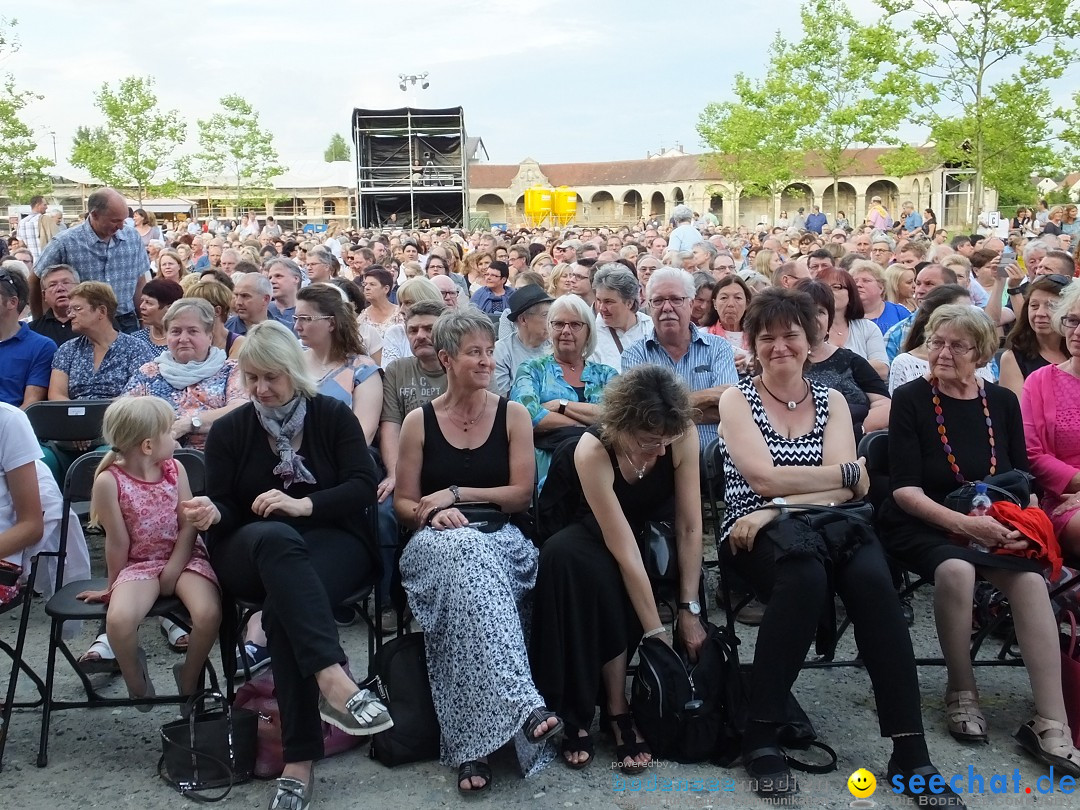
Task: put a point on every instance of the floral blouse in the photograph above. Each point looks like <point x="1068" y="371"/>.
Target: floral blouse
<point x="123" y="358"/>
<point x="216" y="391"/>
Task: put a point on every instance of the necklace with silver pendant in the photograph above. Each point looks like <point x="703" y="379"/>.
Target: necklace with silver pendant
<point x="640" y="473"/>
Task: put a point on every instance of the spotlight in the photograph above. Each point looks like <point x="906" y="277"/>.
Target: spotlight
<point x="424" y="86"/>
<point x="402" y="86"/>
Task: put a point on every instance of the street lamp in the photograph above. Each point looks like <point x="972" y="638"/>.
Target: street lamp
<point x="413" y="80"/>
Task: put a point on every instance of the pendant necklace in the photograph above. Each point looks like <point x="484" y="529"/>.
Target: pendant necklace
<point x="791" y="404"/>
<point x="640" y="472"/>
<point x="466" y="423"/>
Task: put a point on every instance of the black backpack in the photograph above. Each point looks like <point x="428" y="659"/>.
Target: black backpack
<point x="399" y="675"/>
<point x="689" y="712"/>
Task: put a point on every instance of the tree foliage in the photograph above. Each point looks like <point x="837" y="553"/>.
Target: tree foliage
<point x="848" y="85"/>
<point x="338" y="149"/>
<point x="992" y="62"/>
<point x="22" y="173"/>
<point x="232" y="143"/>
<point x="752" y="140"/>
<point x="138" y="142"/>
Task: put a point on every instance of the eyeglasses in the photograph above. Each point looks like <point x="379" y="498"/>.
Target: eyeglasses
<point x="310" y="318"/>
<point x="956" y="349"/>
<point x="575" y="326"/>
<point x="652" y="447"/>
<point x="580" y="276"/>
<point x="451" y="293"/>
<point x="1070" y="322"/>
<point x="676" y="301"/>
<point x="838" y="287"/>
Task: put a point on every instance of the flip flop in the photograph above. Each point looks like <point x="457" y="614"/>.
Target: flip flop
<point x="105" y="660"/>
<point x="174" y="633"/>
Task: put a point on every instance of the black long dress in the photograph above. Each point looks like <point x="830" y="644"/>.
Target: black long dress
<point x="916" y="459"/>
<point x="582" y="616"/>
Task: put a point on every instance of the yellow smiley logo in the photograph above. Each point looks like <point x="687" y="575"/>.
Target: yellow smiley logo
<point x="862" y="784"/>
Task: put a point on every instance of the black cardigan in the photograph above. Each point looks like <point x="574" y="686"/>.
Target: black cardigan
<point x="240" y="464"/>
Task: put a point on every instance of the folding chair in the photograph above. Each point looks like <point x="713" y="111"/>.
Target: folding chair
<point x="17" y="663"/>
<point x="64" y="606"/>
<point x="68" y="420"/>
<point x="367" y="593"/>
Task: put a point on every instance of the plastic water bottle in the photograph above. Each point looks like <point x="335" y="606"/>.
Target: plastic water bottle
<point x="980" y="506"/>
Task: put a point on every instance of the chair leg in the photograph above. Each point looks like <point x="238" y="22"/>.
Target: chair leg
<point x="55" y="632"/>
<point x="17" y="665"/>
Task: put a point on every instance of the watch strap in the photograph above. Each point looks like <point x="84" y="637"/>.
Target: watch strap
<point x="562" y="407"/>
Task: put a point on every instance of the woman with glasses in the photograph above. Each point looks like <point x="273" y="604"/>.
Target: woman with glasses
<point x="1049" y="407"/>
<point x="593" y="599"/>
<point x="947" y="428"/>
<point x="1033" y="341"/>
<point x="562" y="390"/>
<point x="851" y="329"/>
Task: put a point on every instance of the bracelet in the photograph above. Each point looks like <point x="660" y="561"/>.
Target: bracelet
<point x="850" y="474"/>
<point x="654" y="632"/>
<point x="431" y="517"/>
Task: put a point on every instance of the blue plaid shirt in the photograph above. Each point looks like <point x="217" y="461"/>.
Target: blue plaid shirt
<point x="708" y="363"/>
<point x="120" y="262"/>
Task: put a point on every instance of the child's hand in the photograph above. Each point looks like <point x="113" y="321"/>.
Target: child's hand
<point x="274" y="500"/>
<point x="167" y="580"/>
<point x="200" y="512"/>
<point x="94" y="596"/>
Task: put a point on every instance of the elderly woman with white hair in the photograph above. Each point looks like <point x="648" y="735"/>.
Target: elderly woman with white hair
<point x="288" y="475"/>
<point x="469" y="577"/>
<point x="562" y="390"/>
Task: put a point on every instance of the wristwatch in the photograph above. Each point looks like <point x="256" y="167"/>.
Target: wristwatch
<point x="196" y="424"/>
<point x="782" y="503"/>
<point x="1015" y="290"/>
<point x="455" y="492"/>
<point x="562" y="406"/>
<point x="693" y="607"/>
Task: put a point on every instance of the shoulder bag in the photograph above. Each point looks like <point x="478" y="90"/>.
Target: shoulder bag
<point x="1013" y="486"/>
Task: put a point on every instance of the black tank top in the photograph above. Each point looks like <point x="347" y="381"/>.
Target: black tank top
<point x="1029" y="364"/>
<point x="485" y="466"/>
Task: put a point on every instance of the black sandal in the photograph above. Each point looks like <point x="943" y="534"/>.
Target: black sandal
<point x="574" y="744"/>
<point x="625" y="723"/>
<point x="533" y="721"/>
<point x="772" y="784"/>
<point x="468" y="770"/>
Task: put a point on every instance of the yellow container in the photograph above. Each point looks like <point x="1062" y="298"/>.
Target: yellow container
<point x="565" y="206"/>
<point x="537" y="204"/>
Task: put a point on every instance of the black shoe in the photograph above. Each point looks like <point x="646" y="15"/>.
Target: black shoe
<point x="774" y="782"/>
<point x="947" y="798"/>
<point x="345" y="616"/>
<point x="908" y="611"/>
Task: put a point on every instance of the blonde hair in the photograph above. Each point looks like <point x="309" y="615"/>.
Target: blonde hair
<point x="416" y="289"/>
<point x="270" y="346"/>
<point x="555" y="278"/>
<point x="893" y="274"/>
<point x="127" y="423"/>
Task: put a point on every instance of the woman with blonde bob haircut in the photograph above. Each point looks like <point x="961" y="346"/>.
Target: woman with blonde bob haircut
<point x="395" y="342"/>
<point x="288" y="475"/>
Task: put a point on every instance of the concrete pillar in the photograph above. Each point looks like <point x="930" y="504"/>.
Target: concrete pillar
<point x="858" y="216"/>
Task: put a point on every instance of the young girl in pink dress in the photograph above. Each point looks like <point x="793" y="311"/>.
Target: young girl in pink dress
<point x="149" y="550"/>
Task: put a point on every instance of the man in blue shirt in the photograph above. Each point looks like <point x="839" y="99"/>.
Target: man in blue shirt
<point x="706" y="363"/>
<point x="25" y="356"/>
<point x="101" y="248"/>
<point x="816" y="222"/>
<point x="285" y="280"/>
<point x="911" y="218"/>
<point x="685" y="235"/>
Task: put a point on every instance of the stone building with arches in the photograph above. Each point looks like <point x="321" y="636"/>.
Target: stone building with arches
<point x="622" y="192"/>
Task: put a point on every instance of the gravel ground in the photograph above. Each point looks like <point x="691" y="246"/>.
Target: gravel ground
<point x="107" y="757"/>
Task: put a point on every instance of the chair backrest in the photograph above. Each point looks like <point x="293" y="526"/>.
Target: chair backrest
<point x="79" y="481"/>
<point x="68" y="420"/>
<point x="195" y="466"/>
<point x="874" y="447"/>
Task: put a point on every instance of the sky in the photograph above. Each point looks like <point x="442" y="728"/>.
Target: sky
<point x="555" y="80"/>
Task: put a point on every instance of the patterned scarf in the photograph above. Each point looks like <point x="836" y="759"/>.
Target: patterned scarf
<point x="283" y="423"/>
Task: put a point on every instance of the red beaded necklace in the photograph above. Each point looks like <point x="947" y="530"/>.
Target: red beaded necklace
<point x="940" y="419"/>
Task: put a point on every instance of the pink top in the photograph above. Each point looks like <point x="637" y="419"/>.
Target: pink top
<point x="1051" y="408"/>
<point x="149" y="511"/>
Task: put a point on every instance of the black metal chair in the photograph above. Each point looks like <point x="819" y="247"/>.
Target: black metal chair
<point x="65" y="606"/>
<point x="68" y="420"/>
<point x="17" y="663"/>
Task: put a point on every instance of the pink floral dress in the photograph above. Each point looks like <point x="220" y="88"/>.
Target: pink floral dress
<point x="149" y="511"/>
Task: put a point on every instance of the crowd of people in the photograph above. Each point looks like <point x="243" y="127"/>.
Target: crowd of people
<point x="411" y="375"/>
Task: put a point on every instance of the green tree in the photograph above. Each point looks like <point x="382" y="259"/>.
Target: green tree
<point x="232" y="143"/>
<point x="22" y="173"/>
<point x="848" y="86"/>
<point x="751" y="140"/>
<point x="338" y="149"/>
<point x="993" y="60"/>
<point x="138" y="142"/>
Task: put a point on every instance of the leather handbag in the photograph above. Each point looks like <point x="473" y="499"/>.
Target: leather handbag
<point x="818" y="517"/>
<point x="1013" y="486"/>
<point x="212" y="748"/>
<point x="484" y="517"/>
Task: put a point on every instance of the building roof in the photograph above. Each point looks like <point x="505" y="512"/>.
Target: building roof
<point x="678" y="169"/>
